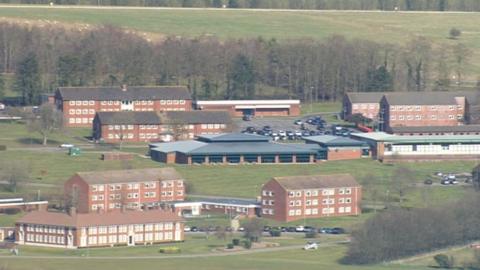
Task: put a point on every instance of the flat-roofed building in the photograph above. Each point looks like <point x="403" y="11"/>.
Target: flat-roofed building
<point x="133" y="189"/>
<point x="80" y="104"/>
<point x="82" y="230"/>
<point x="239" y="108"/>
<point x="228" y="206"/>
<point x="292" y="198"/>
<point x="339" y="148"/>
<point x="387" y="147"/>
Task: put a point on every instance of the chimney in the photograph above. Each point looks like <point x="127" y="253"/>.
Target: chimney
<point x="72" y="211"/>
<point x="124" y="87"/>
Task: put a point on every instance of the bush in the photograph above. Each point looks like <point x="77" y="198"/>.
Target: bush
<point x="444" y="261"/>
<point x="311" y="234"/>
<point x="275" y="233"/>
<point x="247" y="244"/>
<point x="229" y="246"/>
<point x="455" y="33"/>
<point x="236" y="242"/>
<point x="170" y="250"/>
<point x="12" y="211"/>
<point x="3" y="147"/>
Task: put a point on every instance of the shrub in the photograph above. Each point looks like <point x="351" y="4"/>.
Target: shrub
<point x="12" y="211"/>
<point x="170" y="250"/>
<point x="311" y="234"/>
<point x="275" y="233"/>
<point x="229" y="246"/>
<point x="236" y="242"/>
<point x="455" y="33"/>
<point x="444" y="261"/>
<point x="247" y="244"/>
<point x="3" y="147"/>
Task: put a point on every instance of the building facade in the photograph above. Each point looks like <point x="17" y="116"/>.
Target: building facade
<point x="292" y="198"/>
<point x="113" y="127"/>
<point x="80" y="104"/>
<point x="226" y="206"/>
<point x="82" y="230"/>
<point x="339" y="148"/>
<point x="365" y="103"/>
<point x="133" y="189"/>
<point x="239" y="108"/>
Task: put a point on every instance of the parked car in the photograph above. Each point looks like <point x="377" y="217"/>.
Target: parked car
<point x="187" y="229"/>
<point x="267" y="128"/>
<point x="241" y="229"/>
<point x="298" y="133"/>
<point x="309" y="229"/>
<point x="247" y="117"/>
<point x="282" y="133"/>
<point x="250" y="129"/>
<point x="291" y="229"/>
<point x="289" y="133"/>
<point x="310" y="245"/>
<point x="337" y="230"/>
<point x="445" y="182"/>
<point x="428" y="182"/>
<point x="298" y="122"/>
<point x="453" y="182"/>
<point x="267" y="228"/>
<point x="66" y="145"/>
<point x="194" y="229"/>
<point x="299" y="228"/>
<point x="325" y="230"/>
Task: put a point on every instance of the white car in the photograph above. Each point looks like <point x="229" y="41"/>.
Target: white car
<point x="300" y="229"/>
<point x="310" y="245"/>
<point x="282" y="133"/>
<point x="66" y="145"/>
<point x="186" y="229"/>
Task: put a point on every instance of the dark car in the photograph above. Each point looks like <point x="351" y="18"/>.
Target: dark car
<point x="194" y="229"/>
<point x="291" y="229"/>
<point x="267" y="128"/>
<point x="309" y="229"/>
<point x="250" y="129"/>
<point x="325" y="230"/>
<point x="337" y="230"/>
<point x="428" y="182"/>
<point x="247" y="117"/>
<point x="267" y="228"/>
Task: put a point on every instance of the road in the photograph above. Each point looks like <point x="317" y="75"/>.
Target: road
<point x="160" y="257"/>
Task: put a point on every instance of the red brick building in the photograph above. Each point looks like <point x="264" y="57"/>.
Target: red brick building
<point x="79" y="104"/>
<point x="312" y="196"/>
<point x="239" y="108"/>
<point x="133" y="189"/>
<point x="423" y="109"/>
<point x="156" y="126"/>
<point x="116" y="228"/>
<point x="364" y="103"/>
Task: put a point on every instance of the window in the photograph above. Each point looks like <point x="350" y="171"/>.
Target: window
<point x="91" y="111"/>
<point x="451" y="117"/>
<point x="71" y="102"/>
<point x="348" y="191"/>
<point x="418" y="117"/>
<point x="328" y="192"/>
<point x="392" y="117"/>
<point x="434" y="117"/>
<point x="71" y="111"/>
<point x="401" y="117"/>
<point x="85" y="102"/>
<point x="78" y="102"/>
<point x="91" y="102"/>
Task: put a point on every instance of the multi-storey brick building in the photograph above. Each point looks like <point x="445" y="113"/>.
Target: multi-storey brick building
<point x="156" y="126"/>
<point x="312" y="196"/>
<point x="133" y="189"/>
<point x="116" y="228"/>
<point x="239" y="108"/>
<point x="421" y="109"/>
<point x="364" y="103"/>
<point x="79" y="104"/>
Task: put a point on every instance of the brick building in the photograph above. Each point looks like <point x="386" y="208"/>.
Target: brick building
<point x="228" y="206"/>
<point x="312" y="196"/>
<point x="79" y="104"/>
<point x="133" y="189"/>
<point x="239" y="108"/>
<point x="156" y="126"/>
<point x="422" y="109"/>
<point x="339" y="148"/>
<point x="364" y="103"/>
<point x="116" y="228"/>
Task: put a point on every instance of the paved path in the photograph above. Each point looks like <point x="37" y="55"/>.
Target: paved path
<point x="202" y="255"/>
<point x="32" y="184"/>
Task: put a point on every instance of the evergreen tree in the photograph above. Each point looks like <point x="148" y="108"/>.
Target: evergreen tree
<point x="233" y="4"/>
<point x="27" y="79"/>
<point x="379" y="79"/>
<point x="242" y="77"/>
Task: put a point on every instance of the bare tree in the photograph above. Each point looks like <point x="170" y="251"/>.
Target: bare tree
<point x="402" y="181"/>
<point x="254" y="229"/>
<point x="48" y="120"/>
<point x="13" y="173"/>
<point x="123" y="127"/>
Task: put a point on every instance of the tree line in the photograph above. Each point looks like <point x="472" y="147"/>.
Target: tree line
<point x="401" y="232"/>
<point x="409" y="5"/>
<point x="43" y="58"/>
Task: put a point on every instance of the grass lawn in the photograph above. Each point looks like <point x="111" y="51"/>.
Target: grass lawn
<point x="377" y="26"/>
<point x="321" y="107"/>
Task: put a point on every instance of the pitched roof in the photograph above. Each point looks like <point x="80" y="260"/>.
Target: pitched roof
<point x="436" y="129"/>
<point x="116" y="93"/>
<point x="179" y="146"/>
<point x="365" y="97"/>
<point x="199" y="117"/>
<point x="329" y="140"/>
<point x="141" y="118"/>
<point x="257" y="148"/>
<point x="317" y="181"/>
<point x="233" y="137"/>
<point x="423" y="98"/>
<point x="385" y="137"/>
<point x="122" y="176"/>
<point x="98" y="219"/>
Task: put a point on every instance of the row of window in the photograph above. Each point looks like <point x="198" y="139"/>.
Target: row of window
<point x="130" y="186"/>
<point x="213" y="126"/>
<point x="364" y="106"/>
<point x="81" y="102"/>
<point x="314" y="211"/>
<point x="45" y="229"/>
<point x="80" y="120"/>
<point x="114" y="239"/>
<point x="418" y="108"/>
<point x="49" y="239"/>
<point x="314" y="193"/>
<point x="124" y="228"/>
<point x="420" y="117"/>
<point x="79" y="111"/>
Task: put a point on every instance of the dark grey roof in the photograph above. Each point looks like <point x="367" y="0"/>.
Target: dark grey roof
<point x="137" y="175"/>
<point x="317" y="181"/>
<point x="144" y="118"/>
<point x="228" y="201"/>
<point x="423" y="98"/>
<point x="332" y="141"/>
<point x="365" y="97"/>
<point x="249" y="148"/>
<point x="116" y="93"/>
<point x="199" y="117"/>
<point x="436" y="129"/>
<point x="233" y="137"/>
<point x="128" y="118"/>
